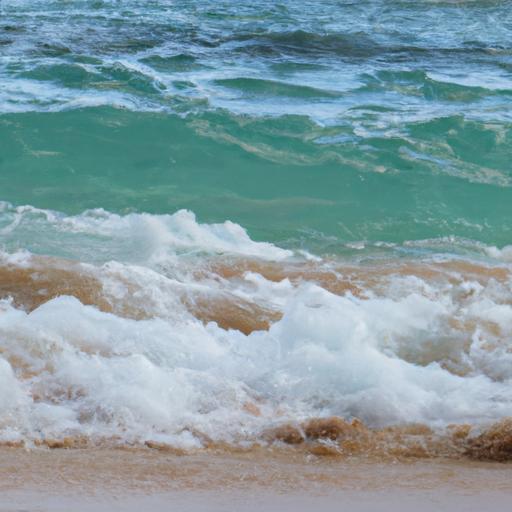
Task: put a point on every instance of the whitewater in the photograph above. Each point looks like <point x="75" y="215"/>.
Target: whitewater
<point x="176" y="332"/>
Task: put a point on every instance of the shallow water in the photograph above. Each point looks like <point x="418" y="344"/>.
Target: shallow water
<point x="221" y="218"/>
<point x="103" y="480"/>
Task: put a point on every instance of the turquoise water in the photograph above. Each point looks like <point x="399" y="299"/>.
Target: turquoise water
<point x="309" y="123"/>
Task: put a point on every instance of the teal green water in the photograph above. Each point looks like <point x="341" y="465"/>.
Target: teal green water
<point x="309" y="123"/>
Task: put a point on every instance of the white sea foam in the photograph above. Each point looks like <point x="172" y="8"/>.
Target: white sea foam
<point x="410" y="349"/>
<point x="136" y="237"/>
<point x="98" y="374"/>
<point x="505" y="253"/>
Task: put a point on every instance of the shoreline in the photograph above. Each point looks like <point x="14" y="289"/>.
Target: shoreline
<point x="86" y="480"/>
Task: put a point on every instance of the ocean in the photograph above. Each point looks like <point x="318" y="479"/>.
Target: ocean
<point x="239" y="224"/>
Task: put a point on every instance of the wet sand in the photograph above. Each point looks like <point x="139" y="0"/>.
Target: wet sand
<point x="267" y="480"/>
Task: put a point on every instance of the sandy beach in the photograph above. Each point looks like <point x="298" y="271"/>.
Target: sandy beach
<point x="126" y="479"/>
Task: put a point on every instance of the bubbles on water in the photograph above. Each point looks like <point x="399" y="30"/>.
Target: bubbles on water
<point x="210" y="335"/>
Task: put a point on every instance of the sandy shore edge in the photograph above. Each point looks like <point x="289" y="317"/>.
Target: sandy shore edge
<point x="116" y="479"/>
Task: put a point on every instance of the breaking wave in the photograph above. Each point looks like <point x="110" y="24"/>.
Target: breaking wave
<point x="161" y="330"/>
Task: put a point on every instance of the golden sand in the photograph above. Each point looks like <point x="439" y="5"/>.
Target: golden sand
<point x="46" y="278"/>
<point x="329" y="438"/>
<point x="156" y="470"/>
